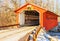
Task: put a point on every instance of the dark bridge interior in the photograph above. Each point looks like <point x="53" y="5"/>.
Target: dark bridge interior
<point x="31" y="18"/>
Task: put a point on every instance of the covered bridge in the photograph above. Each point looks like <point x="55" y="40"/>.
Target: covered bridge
<point x="35" y="15"/>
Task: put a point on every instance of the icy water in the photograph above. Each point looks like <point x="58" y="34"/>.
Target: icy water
<point x="55" y="34"/>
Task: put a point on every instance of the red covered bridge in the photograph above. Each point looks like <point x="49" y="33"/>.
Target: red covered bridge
<point x="47" y="19"/>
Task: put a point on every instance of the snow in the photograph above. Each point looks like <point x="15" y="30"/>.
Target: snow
<point x="45" y="36"/>
<point x="15" y="34"/>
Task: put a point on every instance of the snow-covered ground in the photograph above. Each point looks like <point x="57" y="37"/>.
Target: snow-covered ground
<point x="45" y="36"/>
<point x="15" y="34"/>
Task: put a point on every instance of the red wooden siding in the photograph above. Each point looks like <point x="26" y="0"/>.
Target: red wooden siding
<point x="49" y="20"/>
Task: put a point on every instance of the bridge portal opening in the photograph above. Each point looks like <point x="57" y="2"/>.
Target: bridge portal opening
<point x="31" y="17"/>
